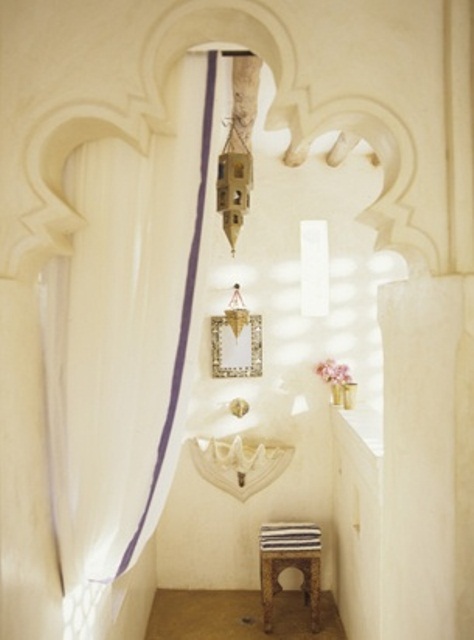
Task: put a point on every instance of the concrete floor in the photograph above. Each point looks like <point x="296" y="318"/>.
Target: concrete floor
<point x="237" y="615"/>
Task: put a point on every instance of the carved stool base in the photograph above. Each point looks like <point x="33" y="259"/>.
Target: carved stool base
<point x="273" y="562"/>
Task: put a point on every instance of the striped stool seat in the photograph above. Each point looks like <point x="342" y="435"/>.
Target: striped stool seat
<point x="282" y="536"/>
<point x="290" y="544"/>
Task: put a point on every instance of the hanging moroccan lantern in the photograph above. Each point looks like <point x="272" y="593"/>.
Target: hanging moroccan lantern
<point x="234" y="183"/>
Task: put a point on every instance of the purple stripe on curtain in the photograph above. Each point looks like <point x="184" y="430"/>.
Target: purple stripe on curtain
<point x="186" y="308"/>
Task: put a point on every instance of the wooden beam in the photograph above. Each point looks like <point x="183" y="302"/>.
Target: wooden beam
<point x="342" y="147"/>
<point x="296" y="154"/>
<point x="245" y="85"/>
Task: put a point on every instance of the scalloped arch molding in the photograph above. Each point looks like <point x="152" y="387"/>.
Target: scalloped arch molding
<point x="63" y="127"/>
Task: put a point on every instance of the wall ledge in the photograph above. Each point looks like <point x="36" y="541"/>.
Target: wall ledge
<point x="359" y="433"/>
<point x="366" y="425"/>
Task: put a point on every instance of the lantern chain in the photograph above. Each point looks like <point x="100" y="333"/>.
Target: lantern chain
<point x="228" y="144"/>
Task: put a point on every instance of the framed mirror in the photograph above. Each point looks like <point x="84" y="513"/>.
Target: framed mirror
<point x="236" y="357"/>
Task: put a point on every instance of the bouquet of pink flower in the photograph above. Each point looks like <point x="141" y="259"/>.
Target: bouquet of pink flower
<point x="332" y="372"/>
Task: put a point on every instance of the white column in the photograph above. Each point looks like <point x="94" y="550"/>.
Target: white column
<point x="30" y="585"/>
<point x="422" y="325"/>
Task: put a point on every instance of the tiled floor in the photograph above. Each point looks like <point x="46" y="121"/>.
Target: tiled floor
<point x="237" y="615"/>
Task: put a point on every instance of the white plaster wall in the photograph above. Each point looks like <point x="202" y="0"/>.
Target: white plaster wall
<point x="464" y="480"/>
<point x="99" y="62"/>
<point x="288" y="403"/>
<point x="422" y="324"/>
<point x="357" y="517"/>
<point x="132" y="598"/>
<point x="29" y="570"/>
<point x="88" y="55"/>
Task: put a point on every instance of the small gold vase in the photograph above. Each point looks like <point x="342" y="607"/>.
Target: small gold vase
<point x="336" y="394"/>
<point x="350" y="395"/>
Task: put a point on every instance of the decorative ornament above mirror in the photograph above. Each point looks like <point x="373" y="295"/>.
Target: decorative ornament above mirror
<point x="237" y="314"/>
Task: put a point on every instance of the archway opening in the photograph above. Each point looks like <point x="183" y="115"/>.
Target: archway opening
<point x="268" y="262"/>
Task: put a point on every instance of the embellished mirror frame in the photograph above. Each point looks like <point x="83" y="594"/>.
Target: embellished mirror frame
<point x="236" y="357"/>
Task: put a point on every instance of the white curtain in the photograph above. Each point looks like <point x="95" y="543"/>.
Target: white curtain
<point x="116" y="335"/>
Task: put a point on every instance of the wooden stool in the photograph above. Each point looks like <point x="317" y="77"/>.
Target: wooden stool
<point x="286" y="545"/>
